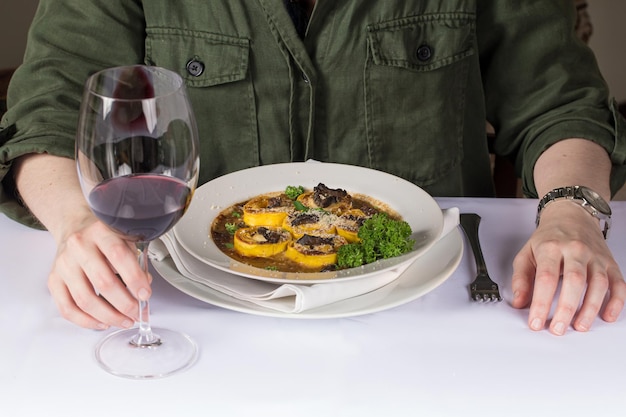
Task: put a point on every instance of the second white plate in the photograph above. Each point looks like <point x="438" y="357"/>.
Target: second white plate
<point x="424" y="275"/>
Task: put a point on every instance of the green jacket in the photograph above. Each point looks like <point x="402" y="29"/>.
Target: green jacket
<point x="403" y="86"/>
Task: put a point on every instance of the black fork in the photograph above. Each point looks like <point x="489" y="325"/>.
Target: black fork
<point x="482" y="288"/>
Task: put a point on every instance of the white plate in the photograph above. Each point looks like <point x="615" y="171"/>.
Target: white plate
<point x="427" y="272"/>
<point x="416" y="206"/>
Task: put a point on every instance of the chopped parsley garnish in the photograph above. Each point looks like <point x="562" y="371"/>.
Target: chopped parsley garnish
<point x="299" y="206"/>
<point x="231" y="228"/>
<point x="380" y="237"/>
<point x="293" y="191"/>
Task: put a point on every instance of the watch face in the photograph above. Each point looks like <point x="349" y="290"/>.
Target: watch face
<point x="595" y="200"/>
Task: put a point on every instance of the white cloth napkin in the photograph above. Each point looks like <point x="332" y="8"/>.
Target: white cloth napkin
<point x="286" y="298"/>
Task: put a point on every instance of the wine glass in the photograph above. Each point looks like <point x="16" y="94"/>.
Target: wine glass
<point x="137" y="158"/>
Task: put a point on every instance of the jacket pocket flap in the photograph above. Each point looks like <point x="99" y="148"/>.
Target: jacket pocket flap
<point x="217" y="59"/>
<point x="422" y="43"/>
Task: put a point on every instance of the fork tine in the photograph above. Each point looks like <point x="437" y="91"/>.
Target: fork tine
<point x="484" y="289"/>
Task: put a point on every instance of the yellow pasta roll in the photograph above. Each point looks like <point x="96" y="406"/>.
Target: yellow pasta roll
<point x="349" y="223"/>
<point x="261" y="241"/>
<point x="267" y="210"/>
<point x="312" y="222"/>
<point x="315" y="252"/>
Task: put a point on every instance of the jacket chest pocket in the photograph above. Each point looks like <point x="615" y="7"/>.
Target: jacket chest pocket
<point x="415" y="84"/>
<point x="215" y="68"/>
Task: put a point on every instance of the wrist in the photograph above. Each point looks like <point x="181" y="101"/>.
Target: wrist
<point x="584" y="197"/>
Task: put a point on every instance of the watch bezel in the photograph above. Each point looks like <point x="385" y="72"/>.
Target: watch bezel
<point x="595" y="200"/>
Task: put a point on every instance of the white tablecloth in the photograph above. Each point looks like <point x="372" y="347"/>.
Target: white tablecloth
<point x="440" y="355"/>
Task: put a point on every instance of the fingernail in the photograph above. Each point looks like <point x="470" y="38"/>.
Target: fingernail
<point x="536" y="324"/>
<point x="102" y="326"/>
<point x="611" y="315"/>
<point x="143" y="294"/>
<point x="127" y="324"/>
<point x="583" y="325"/>
<point x="559" y="328"/>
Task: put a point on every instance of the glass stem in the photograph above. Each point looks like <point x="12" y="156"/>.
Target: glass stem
<point x="145" y="337"/>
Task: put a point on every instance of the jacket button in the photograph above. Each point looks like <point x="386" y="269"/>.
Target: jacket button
<point x="195" y="67"/>
<point x="424" y="53"/>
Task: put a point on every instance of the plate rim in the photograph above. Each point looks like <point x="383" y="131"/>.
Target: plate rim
<point x="232" y="266"/>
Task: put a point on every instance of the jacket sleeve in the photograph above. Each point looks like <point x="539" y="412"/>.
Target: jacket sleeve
<point x="542" y="85"/>
<point x="67" y="41"/>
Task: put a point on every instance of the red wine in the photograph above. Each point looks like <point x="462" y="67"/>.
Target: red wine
<point x="140" y="206"/>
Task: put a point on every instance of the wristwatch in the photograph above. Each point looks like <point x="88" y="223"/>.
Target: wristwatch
<point x="586" y="197"/>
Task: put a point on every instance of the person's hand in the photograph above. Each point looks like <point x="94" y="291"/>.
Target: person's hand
<point x="83" y="280"/>
<point x="567" y="246"/>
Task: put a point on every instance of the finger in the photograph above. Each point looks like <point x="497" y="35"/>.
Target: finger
<point x="572" y="290"/>
<point x="97" y="275"/>
<point x="68" y="308"/>
<point x="81" y="305"/>
<point x="124" y="256"/>
<point x="545" y="284"/>
<point x="81" y="293"/>
<point x="597" y="287"/>
<point x="121" y="307"/>
<point x="99" y="308"/>
<point x="522" y="279"/>
<point x="617" y="295"/>
<point x="118" y="305"/>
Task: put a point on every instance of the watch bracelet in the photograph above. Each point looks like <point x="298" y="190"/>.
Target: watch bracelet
<point x="570" y="193"/>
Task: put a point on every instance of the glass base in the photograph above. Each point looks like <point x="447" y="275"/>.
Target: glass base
<point x="117" y="354"/>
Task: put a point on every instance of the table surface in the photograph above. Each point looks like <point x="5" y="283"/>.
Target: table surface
<point x="440" y="355"/>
